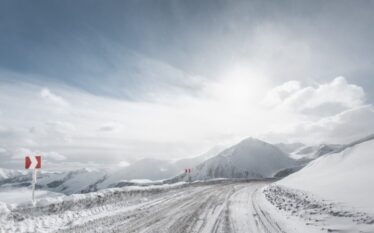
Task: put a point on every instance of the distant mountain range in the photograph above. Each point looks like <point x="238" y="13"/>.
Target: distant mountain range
<point x="141" y="172"/>
<point x="250" y="158"/>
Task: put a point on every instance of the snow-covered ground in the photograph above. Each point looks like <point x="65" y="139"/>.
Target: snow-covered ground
<point x="211" y="206"/>
<point x="309" y="213"/>
<point x="345" y="177"/>
<point x="333" y="193"/>
<point x="217" y="206"/>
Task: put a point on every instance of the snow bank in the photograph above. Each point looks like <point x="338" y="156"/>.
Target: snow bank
<point x="88" y="200"/>
<point x="345" y="177"/>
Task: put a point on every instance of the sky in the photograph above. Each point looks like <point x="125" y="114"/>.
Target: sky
<point x="104" y="83"/>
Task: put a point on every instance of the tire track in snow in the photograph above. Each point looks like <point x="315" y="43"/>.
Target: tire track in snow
<point x="264" y="221"/>
<point x="132" y="215"/>
<point x="217" y="208"/>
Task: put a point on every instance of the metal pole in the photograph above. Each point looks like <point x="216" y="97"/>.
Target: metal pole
<point x="33" y="186"/>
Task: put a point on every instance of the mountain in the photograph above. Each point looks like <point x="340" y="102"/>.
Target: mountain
<point x="308" y="153"/>
<point x="289" y="148"/>
<point x="251" y="158"/>
<point x="9" y="173"/>
<point x="88" y="180"/>
<point x="151" y="169"/>
<point x="77" y="181"/>
<point x="345" y="176"/>
<point x="194" y="161"/>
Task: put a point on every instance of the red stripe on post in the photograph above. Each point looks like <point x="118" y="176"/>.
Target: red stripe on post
<point x="39" y="159"/>
<point x="27" y="162"/>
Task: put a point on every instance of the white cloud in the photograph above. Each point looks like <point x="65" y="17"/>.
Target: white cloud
<point x="123" y="163"/>
<point x="110" y="126"/>
<point x="54" y="156"/>
<point x="344" y="127"/>
<point x="332" y="112"/>
<point x="60" y="126"/>
<point x="278" y="94"/>
<point x="53" y="98"/>
<point x="2" y="150"/>
<point x="323" y="100"/>
<point x="108" y="131"/>
<point x="20" y="153"/>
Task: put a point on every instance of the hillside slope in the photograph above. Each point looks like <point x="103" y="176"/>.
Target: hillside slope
<point x="345" y="177"/>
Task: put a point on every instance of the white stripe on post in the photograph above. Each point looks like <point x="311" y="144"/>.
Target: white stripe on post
<point x="34" y="162"/>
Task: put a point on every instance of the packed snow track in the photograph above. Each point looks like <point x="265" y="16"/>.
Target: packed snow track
<point x="224" y="207"/>
<point x="211" y="208"/>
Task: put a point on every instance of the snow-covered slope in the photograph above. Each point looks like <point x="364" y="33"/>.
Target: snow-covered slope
<point x="309" y="153"/>
<point x="251" y="158"/>
<point x="88" y="180"/>
<point x="151" y="169"/>
<point x="77" y="181"/>
<point x="194" y="161"/>
<point x="289" y="147"/>
<point x="345" y="177"/>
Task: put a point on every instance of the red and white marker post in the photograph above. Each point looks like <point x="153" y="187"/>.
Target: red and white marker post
<point x="188" y="172"/>
<point x="33" y="162"/>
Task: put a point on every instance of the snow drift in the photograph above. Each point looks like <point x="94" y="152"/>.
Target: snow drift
<point x="346" y="176"/>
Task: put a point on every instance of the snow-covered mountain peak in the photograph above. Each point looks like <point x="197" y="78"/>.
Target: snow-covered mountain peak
<point x="252" y="141"/>
<point x="250" y="158"/>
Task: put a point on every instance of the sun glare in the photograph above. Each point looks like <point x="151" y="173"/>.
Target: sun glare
<point x="239" y="87"/>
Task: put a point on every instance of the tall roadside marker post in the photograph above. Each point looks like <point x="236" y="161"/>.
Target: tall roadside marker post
<point x="188" y="172"/>
<point x="33" y="162"/>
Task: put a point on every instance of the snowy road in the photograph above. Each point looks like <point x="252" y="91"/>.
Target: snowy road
<point x="209" y="208"/>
